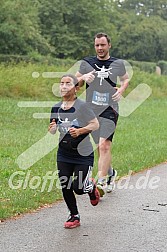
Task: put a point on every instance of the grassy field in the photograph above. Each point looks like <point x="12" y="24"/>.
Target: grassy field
<point x="140" y="139"/>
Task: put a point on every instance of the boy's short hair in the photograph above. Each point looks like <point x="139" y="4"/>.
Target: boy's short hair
<point x="75" y="80"/>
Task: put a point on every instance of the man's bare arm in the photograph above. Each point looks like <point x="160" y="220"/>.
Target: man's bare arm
<point x="124" y="81"/>
<point x="80" y="79"/>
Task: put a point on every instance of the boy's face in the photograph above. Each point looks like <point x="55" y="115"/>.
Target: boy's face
<point x="67" y="87"/>
<point x="102" y="47"/>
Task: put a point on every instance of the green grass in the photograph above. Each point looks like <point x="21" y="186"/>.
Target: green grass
<point x="19" y="131"/>
<point x="140" y="139"/>
<point x="139" y="142"/>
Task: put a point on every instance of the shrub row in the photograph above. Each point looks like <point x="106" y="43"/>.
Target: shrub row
<point x="49" y="60"/>
<point x="163" y="65"/>
<point x="149" y="67"/>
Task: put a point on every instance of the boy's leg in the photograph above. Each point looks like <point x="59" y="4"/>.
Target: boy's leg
<point x="81" y="182"/>
<point x="66" y="175"/>
<point x="84" y="184"/>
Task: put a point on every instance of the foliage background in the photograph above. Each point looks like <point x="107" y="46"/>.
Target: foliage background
<point x="65" y="28"/>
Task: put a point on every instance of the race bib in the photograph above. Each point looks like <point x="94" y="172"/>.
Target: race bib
<point x="101" y="99"/>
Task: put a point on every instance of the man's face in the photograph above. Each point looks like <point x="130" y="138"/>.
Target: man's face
<point x="102" y="48"/>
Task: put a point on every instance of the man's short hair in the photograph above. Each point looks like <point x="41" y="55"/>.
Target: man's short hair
<point x="102" y="34"/>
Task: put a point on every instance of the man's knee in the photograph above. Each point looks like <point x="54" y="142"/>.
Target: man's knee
<point x="104" y="146"/>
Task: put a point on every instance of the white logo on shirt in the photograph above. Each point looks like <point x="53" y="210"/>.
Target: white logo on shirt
<point x="103" y="73"/>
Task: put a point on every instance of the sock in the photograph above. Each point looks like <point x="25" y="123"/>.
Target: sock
<point x="110" y="171"/>
<point x="77" y="215"/>
<point x="102" y="180"/>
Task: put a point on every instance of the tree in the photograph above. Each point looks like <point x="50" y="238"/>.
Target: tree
<point x="70" y="25"/>
<point x="19" y="29"/>
<point x="143" y="40"/>
<point x="145" y="7"/>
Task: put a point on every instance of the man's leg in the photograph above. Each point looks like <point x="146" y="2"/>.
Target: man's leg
<point x="111" y="177"/>
<point x="104" y="161"/>
<point x="103" y="138"/>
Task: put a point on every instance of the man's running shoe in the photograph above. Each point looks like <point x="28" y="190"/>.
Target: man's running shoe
<point x="73" y="221"/>
<point x="111" y="182"/>
<point x="94" y="195"/>
<point x="101" y="188"/>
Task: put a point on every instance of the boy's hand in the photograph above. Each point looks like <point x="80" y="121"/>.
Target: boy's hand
<point x="52" y="127"/>
<point x="74" y="132"/>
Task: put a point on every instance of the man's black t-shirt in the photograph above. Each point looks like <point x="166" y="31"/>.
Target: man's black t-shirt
<point x="99" y="92"/>
<point x="73" y="150"/>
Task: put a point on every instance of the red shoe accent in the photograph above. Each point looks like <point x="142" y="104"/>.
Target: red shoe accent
<point x="94" y="202"/>
<point x="95" y="195"/>
<point x="73" y="222"/>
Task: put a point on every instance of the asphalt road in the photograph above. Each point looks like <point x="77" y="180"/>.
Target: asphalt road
<point x="132" y="218"/>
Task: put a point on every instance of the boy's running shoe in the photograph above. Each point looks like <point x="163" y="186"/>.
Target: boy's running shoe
<point x="94" y="195"/>
<point x="73" y="221"/>
<point x="111" y="182"/>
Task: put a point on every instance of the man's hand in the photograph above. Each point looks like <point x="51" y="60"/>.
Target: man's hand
<point x="89" y="77"/>
<point x="124" y="81"/>
<point x="117" y="96"/>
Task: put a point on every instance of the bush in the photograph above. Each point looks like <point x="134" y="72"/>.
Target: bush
<point x="163" y="65"/>
<point x="149" y="67"/>
<point x="6" y="58"/>
<point x="34" y="57"/>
